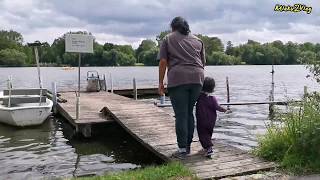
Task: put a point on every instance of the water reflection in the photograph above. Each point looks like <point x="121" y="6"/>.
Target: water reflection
<point x="44" y="151"/>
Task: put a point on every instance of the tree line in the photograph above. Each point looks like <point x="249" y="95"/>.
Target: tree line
<point x="13" y="52"/>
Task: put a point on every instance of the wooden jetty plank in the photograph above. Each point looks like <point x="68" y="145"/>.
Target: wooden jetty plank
<point x="90" y="107"/>
<point x="154" y="128"/>
<point x="245" y="168"/>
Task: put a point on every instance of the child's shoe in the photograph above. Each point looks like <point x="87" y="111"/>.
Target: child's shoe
<point x="209" y="152"/>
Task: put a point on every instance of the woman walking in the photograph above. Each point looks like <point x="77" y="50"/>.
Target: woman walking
<point x="183" y="54"/>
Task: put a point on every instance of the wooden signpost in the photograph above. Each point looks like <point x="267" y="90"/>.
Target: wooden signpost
<point x="79" y="43"/>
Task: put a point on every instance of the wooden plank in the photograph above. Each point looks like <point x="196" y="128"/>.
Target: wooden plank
<point x="247" y="168"/>
<point x="89" y="109"/>
<point x="24" y="92"/>
<point x="23" y="99"/>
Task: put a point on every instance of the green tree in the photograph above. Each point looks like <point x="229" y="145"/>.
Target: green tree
<point x="229" y="48"/>
<point x="292" y="53"/>
<point x="45" y="53"/>
<point x="145" y="45"/>
<point x="149" y="58"/>
<point x="161" y="36"/>
<point x="272" y="55"/>
<point x="58" y="49"/>
<point x="307" y="46"/>
<point x="12" y="57"/>
<point x="116" y="58"/>
<point x="70" y="58"/>
<point x="211" y="43"/>
<point x="10" y="39"/>
<point x="220" y="58"/>
<point x="126" y="49"/>
<point x="11" y="36"/>
<point x="313" y="62"/>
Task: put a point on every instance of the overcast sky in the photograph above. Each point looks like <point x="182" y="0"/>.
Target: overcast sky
<point x="130" y="21"/>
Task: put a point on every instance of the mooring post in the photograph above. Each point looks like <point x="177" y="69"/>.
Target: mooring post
<point x="54" y="97"/>
<point x="105" y="82"/>
<point x="228" y="92"/>
<point x="305" y="91"/>
<point x="111" y="82"/>
<point x="135" y="91"/>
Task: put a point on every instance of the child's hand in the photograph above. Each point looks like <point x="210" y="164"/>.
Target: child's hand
<point x="228" y="111"/>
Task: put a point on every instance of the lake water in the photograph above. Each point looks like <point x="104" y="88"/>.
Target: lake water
<point x="48" y="150"/>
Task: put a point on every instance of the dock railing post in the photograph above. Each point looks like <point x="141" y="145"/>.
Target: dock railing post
<point x="228" y="92"/>
<point x="105" y="82"/>
<point x="305" y="91"/>
<point x="135" y="91"/>
<point x="54" y="97"/>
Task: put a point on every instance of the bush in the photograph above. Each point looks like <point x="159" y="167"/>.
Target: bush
<point x="294" y="139"/>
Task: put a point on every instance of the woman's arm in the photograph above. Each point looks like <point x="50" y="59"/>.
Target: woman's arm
<point x="162" y="72"/>
<point x="163" y="55"/>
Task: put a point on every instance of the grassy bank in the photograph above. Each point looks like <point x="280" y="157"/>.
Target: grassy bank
<point x="293" y="140"/>
<point x="169" y="171"/>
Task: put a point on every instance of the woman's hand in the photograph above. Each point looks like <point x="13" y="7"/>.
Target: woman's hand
<point x="161" y="89"/>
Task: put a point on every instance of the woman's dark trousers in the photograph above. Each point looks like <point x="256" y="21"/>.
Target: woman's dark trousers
<point x="183" y="99"/>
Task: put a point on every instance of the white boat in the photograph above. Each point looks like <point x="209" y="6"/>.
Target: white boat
<point x="24" y="110"/>
<point x="25" y="107"/>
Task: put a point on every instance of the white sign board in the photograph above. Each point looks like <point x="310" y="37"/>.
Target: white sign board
<point x="81" y="43"/>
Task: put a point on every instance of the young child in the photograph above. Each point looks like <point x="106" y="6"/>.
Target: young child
<point x="206" y="113"/>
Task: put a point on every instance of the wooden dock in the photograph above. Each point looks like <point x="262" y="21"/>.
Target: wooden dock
<point x="155" y="129"/>
<point x="142" y="91"/>
<point x="90" y="107"/>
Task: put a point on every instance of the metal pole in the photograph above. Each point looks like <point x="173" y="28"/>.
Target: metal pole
<point x="9" y="87"/>
<point x="228" y="92"/>
<point x="78" y="94"/>
<point x="272" y="84"/>
<point x="135" y="91"/>
<point x="38" y="68"/>
<point x="271" y="105"/>
<point x="54" y="97"/>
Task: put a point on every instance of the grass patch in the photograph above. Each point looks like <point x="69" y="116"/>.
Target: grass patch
<point x="139" y="64"/>
<point x="172" y="171"/>
<point x="293" y="140"/>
